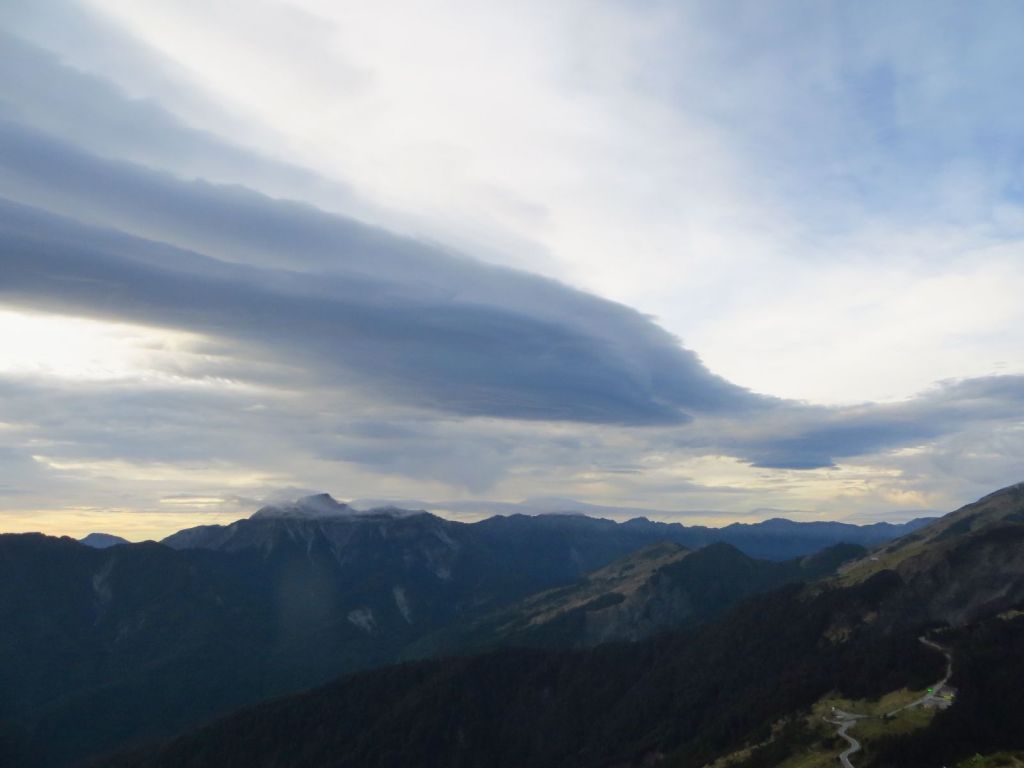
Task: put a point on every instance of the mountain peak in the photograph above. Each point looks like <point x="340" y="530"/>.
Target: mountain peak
<point x="320" y="500"/>
<point x="323" y="506"/>
<point x="318" y="505"/>
<point x="102" y="540"/>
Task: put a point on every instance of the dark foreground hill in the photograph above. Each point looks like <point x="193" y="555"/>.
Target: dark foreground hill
<point x="101" y="648"/>
<point x="685" y="699"/>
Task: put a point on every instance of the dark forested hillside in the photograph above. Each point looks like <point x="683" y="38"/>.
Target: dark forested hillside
<point x="96" y="645"/>
<point x="684" y="697"/>
<point x="989" y="713"/>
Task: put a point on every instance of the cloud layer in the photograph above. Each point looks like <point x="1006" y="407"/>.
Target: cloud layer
<point x="390" y="313"/>
<point x="316" y="337"/>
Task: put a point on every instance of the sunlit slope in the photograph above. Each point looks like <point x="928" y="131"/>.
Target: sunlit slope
<point x="965" y="564"/>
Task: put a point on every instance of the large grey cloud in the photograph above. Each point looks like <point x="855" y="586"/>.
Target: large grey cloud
<point x="406" y="318"/>
<point x="341" y="302"/>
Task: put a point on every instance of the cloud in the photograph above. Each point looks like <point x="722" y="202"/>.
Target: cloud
<point x="126" y="445"/>
<point x="804" y="437"/>
<point x="309" y="300"/>
<point x="91" y="113"/>
<point x="825" y="204"/>
<point x="407" y="319"/>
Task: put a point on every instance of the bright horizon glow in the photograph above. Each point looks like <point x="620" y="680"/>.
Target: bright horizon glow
<point x="80" y="348"/>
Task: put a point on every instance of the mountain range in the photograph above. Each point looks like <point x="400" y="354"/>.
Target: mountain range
<point x="102" y="647"/>
<point x="750" y="688"/>
<point x="773" y="539"/>
<point x="107" y="649"/>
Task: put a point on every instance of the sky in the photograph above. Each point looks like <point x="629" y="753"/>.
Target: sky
<point x="709" y="260"/>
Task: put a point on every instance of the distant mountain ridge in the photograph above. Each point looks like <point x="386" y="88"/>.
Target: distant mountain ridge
<point x="774" y="539"/>
<point x="102" y="540"/>
<point x="557" y="505"/>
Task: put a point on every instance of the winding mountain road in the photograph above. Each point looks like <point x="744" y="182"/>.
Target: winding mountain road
<point x="846" y="720"/>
